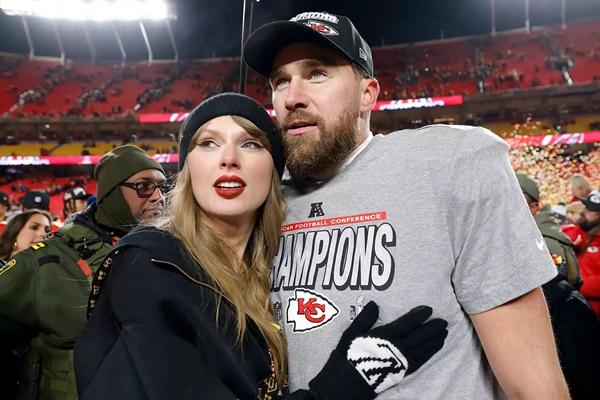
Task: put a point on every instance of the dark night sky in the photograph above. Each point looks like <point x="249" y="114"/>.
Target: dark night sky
<point x="211" y="27"/>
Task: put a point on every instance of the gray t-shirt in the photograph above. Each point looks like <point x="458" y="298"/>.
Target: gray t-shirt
<point x="429" y="216"/>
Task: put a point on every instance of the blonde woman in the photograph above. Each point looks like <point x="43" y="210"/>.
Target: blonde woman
<point x="185" y="311"/>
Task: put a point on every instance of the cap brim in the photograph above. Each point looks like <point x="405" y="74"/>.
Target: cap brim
<point x="266" y="42"/>
<point x="590" y="205"/>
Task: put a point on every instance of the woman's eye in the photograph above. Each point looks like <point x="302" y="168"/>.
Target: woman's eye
<point x="279" y="82"/>
<point x="252" y="144"/>
<point x="207" y="143"/>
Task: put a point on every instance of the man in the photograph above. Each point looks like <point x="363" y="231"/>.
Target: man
<point x="4" y="209"/>
<point x="74" y="201"/>
<point x="420" y="217"/>
<point x="44" y="290"/>
<point x="586" y="236"/>
<point x="574" y="323"/>
<point x="4" y="206"/>
<point x="36" y="199"/>
<point x="559" y="245"/>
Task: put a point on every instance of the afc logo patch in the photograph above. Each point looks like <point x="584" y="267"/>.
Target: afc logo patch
<point x="308" y="310"/>
<point x="316" y="210"/>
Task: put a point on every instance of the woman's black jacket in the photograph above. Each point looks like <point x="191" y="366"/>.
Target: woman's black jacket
<point x="154" y="334"/>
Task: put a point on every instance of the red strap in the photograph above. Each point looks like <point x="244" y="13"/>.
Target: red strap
<point x="84" y="267"/>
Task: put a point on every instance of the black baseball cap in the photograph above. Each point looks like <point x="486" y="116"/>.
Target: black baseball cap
<point x="592" y="202"/>
<point x="76" y="193"/>
<point x="36" y="199"/>
<point x="334" y="31"/>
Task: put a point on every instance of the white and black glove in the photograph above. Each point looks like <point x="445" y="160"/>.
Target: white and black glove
<point x="368" y="361"/>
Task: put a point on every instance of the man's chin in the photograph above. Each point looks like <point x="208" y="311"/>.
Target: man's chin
<point x="149" y="215"/>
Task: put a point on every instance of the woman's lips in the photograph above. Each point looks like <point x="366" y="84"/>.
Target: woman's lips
<point x="229" y="193"/>
<point x="229" y="186"/>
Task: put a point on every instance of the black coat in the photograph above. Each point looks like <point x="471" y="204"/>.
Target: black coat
<point x="153" y="333"/>
<point x="577" y="333"/>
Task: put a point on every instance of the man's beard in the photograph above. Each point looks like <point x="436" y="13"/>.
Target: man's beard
<point x="149" y="214"/>
<point x="311" y="158"/>
<point x="586" y="224"/>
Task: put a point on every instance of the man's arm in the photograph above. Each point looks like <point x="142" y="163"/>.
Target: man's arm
<point x="519" y="344"/>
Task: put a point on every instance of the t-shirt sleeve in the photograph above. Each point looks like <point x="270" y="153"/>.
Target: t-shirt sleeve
<point x="498" y="250"/>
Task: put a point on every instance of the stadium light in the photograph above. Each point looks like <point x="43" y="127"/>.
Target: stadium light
<point x="94" y="10"/>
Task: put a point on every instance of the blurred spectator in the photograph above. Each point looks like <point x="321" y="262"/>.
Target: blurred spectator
<point x="573" y="212"/>
<point x="21" y="232"/>
<point x="50" y="314"/>
<point x="586" y="236"/>
<point x="559" y="212"/>
<point x="36" y="199"/>
<point x="25" y="229"/>
<point x="74" y="200"/>
<point x="573" y="321"/>
<point x="577" y="330"/>
<point x="559" y="245"/>
<point x="4" y="207"/>
<point x="580" y="187"/>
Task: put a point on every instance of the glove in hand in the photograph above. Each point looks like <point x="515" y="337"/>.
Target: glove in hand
<point x="369" y="360"/>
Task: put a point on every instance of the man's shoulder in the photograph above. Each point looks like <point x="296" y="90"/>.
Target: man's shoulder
<point x="443" y="134"/>
<point x="443" y="137"/>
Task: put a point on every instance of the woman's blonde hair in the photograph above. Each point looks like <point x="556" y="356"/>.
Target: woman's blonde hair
<point x="246" y="286"/>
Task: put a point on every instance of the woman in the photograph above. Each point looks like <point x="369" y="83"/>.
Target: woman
<point x="185" y="310"/>
<point x="22" y="231"/>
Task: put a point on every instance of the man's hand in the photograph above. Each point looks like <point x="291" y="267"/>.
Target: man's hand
<point x="368" y="361"/>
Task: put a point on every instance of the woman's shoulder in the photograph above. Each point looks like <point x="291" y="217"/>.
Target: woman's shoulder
<point x="147" y="237"/>
<point x="158" y="248"/>
<point x="154" y="242"/>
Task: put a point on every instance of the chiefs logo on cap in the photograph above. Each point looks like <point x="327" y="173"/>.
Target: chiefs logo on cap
<point x="322" y="28"/>
<point x="308" y="310"/>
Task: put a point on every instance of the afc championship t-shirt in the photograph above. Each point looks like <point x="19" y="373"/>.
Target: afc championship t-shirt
<point x="432" y="216"/>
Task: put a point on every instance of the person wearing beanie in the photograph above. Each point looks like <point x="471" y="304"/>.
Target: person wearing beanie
<point x="192" y="290"/>
<point x="44" y="289"/>
<point x="558" y="244"/>
<point x="573" y="320"/>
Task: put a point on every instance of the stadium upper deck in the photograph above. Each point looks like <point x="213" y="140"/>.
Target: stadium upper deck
<point x="548" y="56"/>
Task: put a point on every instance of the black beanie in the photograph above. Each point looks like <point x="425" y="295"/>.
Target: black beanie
<point x="114" y="168"/>
<point x="231" y="104"/>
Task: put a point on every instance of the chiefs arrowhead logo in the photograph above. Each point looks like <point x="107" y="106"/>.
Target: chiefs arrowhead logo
<point x="308" y="310"/>
<point x="322" y="28"/>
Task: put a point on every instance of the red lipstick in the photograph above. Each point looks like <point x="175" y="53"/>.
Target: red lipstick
<point x="229" y="186"/>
